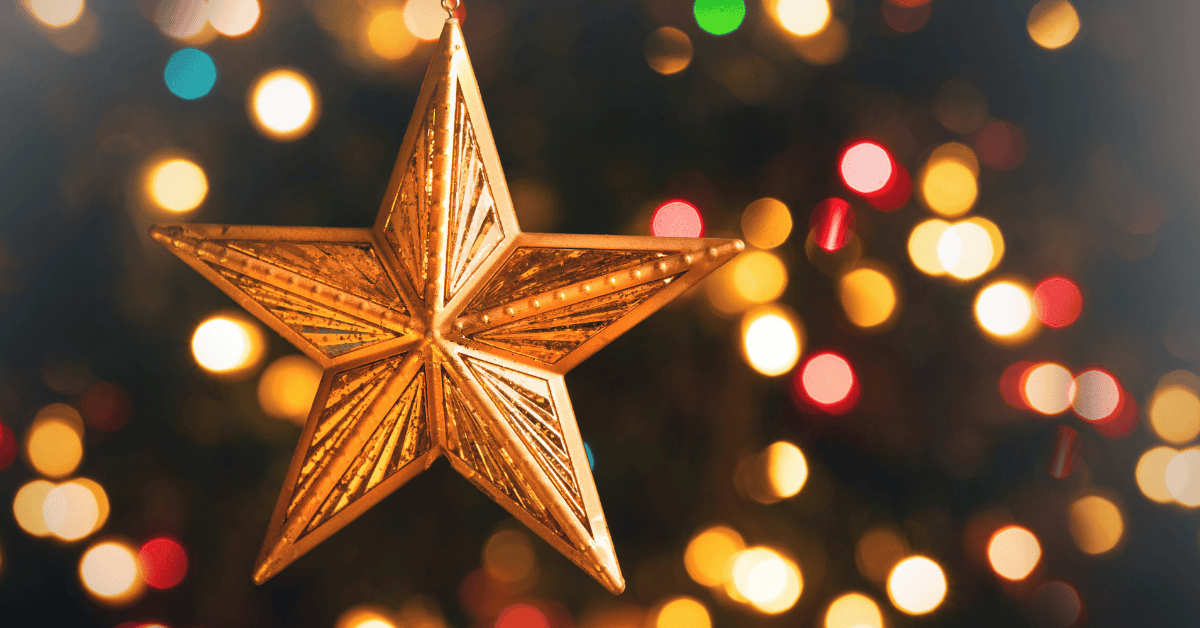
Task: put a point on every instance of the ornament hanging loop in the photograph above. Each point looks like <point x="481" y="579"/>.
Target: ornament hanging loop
<point x="451" y="6"/>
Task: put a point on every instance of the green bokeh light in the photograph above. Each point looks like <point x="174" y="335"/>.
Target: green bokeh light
<point x="719" y="17"/>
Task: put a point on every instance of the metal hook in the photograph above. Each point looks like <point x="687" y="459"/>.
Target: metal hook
<point x="451" y="6"/>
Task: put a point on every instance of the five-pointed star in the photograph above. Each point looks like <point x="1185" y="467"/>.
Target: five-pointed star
<point x="444" y="330"/>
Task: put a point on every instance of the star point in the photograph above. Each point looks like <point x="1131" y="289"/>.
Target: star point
<point x="444" y="331"/>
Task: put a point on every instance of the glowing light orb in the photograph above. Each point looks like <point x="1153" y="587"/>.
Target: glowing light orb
<point x="164" y="562"/>
<point x="508" y="556"/>
<point x="868" y="297"/>
<point x="109" y="571"/>
<point x="1048" y="388"/>
<point x="1182" y="477"/>
<point x="770" y="341"/>
<point x="1151" y="473"/>
<point x="766" y="223"/>
<point x="949" y="187"/>
<point x="190" y="73"/>
<point x="71" y="511"/>
<point x="787" y="471"/>
<point x="1095" y="524"/>
<point x="55" y="13"/>
<point x="283" y="104"/>
<point x="28" y="507"/>
<point x="965" y="250"/>
<point x="923" y="246"/>
<point x="388" y="35"/>
<point x="1097" y="395"/>
<point x="803" y="17"/>
<point x="853" y="610"/>
<point x="54" y="446"/>
<point x="227" y="345"/>
<point x="287" y="387"/>
<point x="683" y="612"/>
<point x="364" y="617"/>
<point x="522" y="616"/>
<point x="879" y="549"/>
<point x="424" y="18"/>
<point x="1004" y="309"/>
<point x="1053" y="23"/>
<point x="765" y="579"/>
<point x="177" y="185"/>
<point x="719" y="17"/>
<point x="234" y="18"/>
<point x="759" y="276"/>
<point x="827" y="380"/>
<point x="677" y="219"/>
<point x="916" y="585"/>
<point x="1013" y="552"/>
<point x="708" y="555"/>
<point x="668" y="50"/>
<point x="1057" y="301"/>
<point x="866" y="167"/>
<point x="1175" y="413"/>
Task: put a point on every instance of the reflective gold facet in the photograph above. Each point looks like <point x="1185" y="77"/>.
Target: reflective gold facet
<point x="444" y="330"/>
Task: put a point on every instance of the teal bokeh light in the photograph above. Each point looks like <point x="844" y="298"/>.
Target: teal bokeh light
<point x="719" y="17"/>
<point x="190" y="73"/>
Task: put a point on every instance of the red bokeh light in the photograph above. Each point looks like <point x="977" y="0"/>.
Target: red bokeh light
<point x="8" y="446"/>
<point x="832" y="222"/>
<point x="1012" y="382"/>
<point x="828" y="383"/>
<point x="522" y="616"/>
<point x="896" y="193"/>
<point x="867" y="167"/>
<point x="1000" y="145"/>
<point x="677" y="219"/>
<point x="105" y="406"/>
<point x="906" y="16"/>
<point x="1057" y="301"/>
<point x="1066" y="447"/>
<point x="164" y="562"/>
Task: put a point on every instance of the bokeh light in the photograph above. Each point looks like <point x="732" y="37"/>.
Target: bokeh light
<point x="388" y="35"/>
<point x="8" y="447"/>
<point x="176" y="185"/>
<point x="287" y="387"/>
<point x="683" y="612"/>
<point x="105" y="406"/>
<point x="803" y="17"/>
<point x="905" y="16"/>
<point x="1174" y="413"/>
<point x="55" y="13"/>
<point x="164" y="562"/>
<point x="826" y="47"/>
<point x="1056" y="604"/>
<point x="1151" y="473"/>
<point x="71" y="510"/>
<point x="1066" y="451"/>
<point x="190" y="73"/>
<point x="1096" y="524"/>
<point x="828" y="382"/>
<point x="185" y="20"/>
<point x="1057" y="301"/>
<point x="866" y="167"/>
<point x="54" y="442"/>
<point x="853" y="610"/>
<point x="283" y="104"/>
<point x="965" y="250"/>
<point x="668" y="50"/>
<point x="787" y="471"/>
<point x="948" y="187"/>
<point x="923" y="245"/>
<point x="832" y="224"/>
<point x="916" y="585"/>
<point x="677" y="219"/>
<point x="1001" y="145"/>
<point x="709" y="555"/>
<point x="765" y="579"/>
<point x="28" y="507"/>
<point x="522" y="616"/>
<point x="508" y="556"/>
<point x="1097" y="395"/>
<point x="759" y="276"/>
<point x="424" y="18"/>
<point x="868" y="296"/>
<point x="227" y="345"/>
<point x="364" y="617"/>
<point x="233" y="18"/>
<point x="1048" y="388"/>
<point x="1013" y="552"/>
<point x="879" y="549"/>
<point x="719" y="17"/>
<point x="1182" y="477"/>
<point x="766" y="223"/>
<point x="1004" y="309"/>
<point x="1053" y="23"/>
<point x="771" y="342"/>
<point x="109" y="571"/>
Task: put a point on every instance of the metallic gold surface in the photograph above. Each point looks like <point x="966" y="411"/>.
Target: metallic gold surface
<point x="444" y="330"/>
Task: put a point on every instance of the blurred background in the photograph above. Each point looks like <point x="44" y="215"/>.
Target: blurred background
<point x="949" y="383"/>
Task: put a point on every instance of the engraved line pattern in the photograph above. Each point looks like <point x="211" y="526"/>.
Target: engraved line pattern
<point x="352" y="267"/>
<point x="468" y="440"/>
<point x="529" y="271"/>
<point x="401" y="437"/>
<point x="553" y="335"/>
<point x="475" y="229"/>
<point x="331" y="331"/>
<point x="407" y="226"/>
<point x="525" y="403"/>
<point x="350" y="398"/>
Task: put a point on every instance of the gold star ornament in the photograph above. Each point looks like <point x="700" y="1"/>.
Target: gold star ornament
<point x="444" y="331"/>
